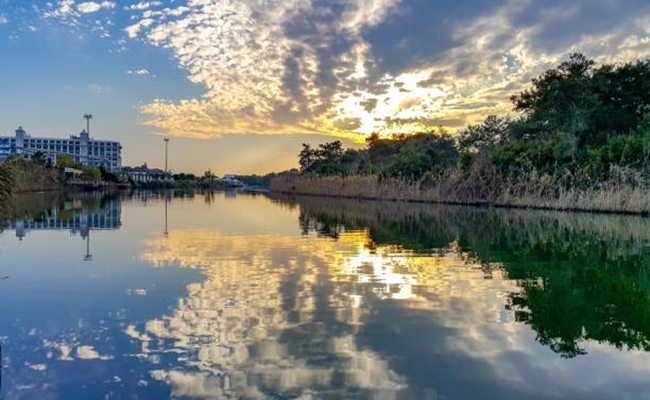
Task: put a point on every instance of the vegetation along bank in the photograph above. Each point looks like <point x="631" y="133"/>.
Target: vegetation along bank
<point x="580" y="140"/>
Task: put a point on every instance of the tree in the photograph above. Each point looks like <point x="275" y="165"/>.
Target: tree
<point x="91" y="174"/>
<point x="421" y="153"/>
<point x="209" y="175"/>
<point x="65" y="161"/>
<point x="325" y="160"/>
<point x="492" y="132"/>
<point x="561" y="99"/>
<point x="306" y="158"/>
<point x="108" y="176"/>
<point x="624" y="96"/>
<point x="39" y="158"/>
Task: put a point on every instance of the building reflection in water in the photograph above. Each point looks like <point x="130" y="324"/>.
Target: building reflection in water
<point x="75" y="217"/>
<point x="278" y="315"/>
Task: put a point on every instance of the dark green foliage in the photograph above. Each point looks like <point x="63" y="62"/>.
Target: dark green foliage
<point x="561" y="99"/>
<point x="39" y="158"/>
<point x="492" y="132"/>
<point x="588" y="103"/>
<point x="325" y="160"/>
<point x="623" y="94"/>
<point x="108" y="176"/>
<point x="184" y="177"/>
<point x="382" y="151"/>
<point x="263" y="181"/>
<point x="90" y="174"/>
<point x="421" y="153"/>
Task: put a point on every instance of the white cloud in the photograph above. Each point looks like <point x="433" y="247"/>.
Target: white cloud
<point x="37" y="367"/>
<point x="144" y="5"/>
<point x="91" y="7"/>
<point x="142" y="71"/>
<point x="89" y="353"/>
<point x="3" y="19"/>
<point x="96" y="88"/>
<point x="64" y="11"/>
<point x="303" y="66"/>
<point x="76" y="17"/>
<point x="270" y="79"/>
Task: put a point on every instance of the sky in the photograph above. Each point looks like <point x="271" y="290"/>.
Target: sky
<point x="238" y="86"/>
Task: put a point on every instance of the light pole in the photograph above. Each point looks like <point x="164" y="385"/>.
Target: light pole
<point x="166" y="144"/>
<point x="88" y="256"/>
<point x="165" y="231"/>
<point x="88" y="117"/>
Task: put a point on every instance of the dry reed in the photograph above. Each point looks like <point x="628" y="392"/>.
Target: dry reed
<point x="532" y="192"/>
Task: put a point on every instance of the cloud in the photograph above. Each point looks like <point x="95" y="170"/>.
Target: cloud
<point x="142" y="71"/>
<point x="144" y="5"/>
<point x="89" y="353"/>
<point x="76" y="18"/>
<point x="351" y="68"/>
<point x="3" y="19"/>
<point x="96" y="88"/>
<point x="91" y="7"/>
<point x="64" y="11"/>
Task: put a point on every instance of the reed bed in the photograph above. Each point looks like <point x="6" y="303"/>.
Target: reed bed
<point x="533" y="192"/>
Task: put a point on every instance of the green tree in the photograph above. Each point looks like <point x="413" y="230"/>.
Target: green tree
<point x="65" y="161"/>
<point x="561" y="99"/>
<point x="306" y="158"/>
<point x="624" y="96"/>
<point x="91" y="174"/>
<point x="39" y="158"/>
<point x="325" y="160"/>
<point x="492" y="132"/>
<point x="423" y="152"/>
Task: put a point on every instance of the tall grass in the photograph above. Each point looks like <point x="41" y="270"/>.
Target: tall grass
<point x="26" y="176"/>
<point x="529" y="191"/>
<point x="6" y="181"/>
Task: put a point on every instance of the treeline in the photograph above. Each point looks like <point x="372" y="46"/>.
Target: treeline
<point x="578" y="128"/>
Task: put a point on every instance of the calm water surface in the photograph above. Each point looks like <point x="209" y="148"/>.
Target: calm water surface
<point x="209" y="296"/>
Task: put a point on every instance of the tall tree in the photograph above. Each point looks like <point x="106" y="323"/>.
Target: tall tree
<point x="492" y="132"/>
<point x="624" y="96"/>
<point x="561" y="99"/>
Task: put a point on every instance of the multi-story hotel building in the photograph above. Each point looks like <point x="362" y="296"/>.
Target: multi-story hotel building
<point x="83" y="149"/>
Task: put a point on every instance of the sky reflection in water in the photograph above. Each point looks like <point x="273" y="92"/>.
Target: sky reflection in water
<point x="246" y="297"/>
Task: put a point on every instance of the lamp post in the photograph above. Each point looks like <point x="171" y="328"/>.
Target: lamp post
<point x="88" y="256"/>
<point x="88" y="117"/>
<point x="166" y="144"/>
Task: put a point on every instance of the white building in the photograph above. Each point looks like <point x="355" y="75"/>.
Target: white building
<point x="83" y="149"/>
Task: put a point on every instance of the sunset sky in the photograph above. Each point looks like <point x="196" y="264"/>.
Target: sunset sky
<point x="239" y="85"/>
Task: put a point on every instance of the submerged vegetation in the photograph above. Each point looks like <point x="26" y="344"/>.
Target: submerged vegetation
<point x="581" y="140"/>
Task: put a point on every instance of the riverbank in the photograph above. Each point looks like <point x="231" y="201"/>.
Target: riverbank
<point x="607" y="197"/>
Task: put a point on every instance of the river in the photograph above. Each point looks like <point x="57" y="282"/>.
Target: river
<point x="153" y="295"/>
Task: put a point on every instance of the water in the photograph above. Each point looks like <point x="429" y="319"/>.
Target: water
<point x="161" y="295"/>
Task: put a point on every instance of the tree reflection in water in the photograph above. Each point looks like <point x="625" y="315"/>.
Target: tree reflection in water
<point x="584" y="276"/>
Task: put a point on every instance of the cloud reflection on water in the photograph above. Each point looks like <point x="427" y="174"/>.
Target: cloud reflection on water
<point x="281" y="314"/>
